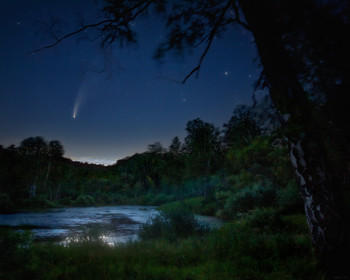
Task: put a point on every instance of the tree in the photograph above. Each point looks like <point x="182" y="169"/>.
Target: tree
<point x="156" y="148"/>
<point x="55" y="153"/>
<point x="56" y="150"/>
<point x="203" y="145"/>
<point x="304" y="59"/>
<point x="34" y="152"/>
<point x="175" y="146"/>
<point x="310" y="124"/>
<point x="241" y="128"/>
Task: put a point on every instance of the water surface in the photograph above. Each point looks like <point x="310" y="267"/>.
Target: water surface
<point x="112" y="224"/>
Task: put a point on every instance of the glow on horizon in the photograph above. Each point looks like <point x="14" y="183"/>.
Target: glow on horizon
<point x="95" y="160"/>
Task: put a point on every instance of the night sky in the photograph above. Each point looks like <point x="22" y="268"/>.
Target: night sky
<point x="119" y="112"/>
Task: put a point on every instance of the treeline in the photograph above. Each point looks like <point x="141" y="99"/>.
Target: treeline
<point x="224" y="172"/>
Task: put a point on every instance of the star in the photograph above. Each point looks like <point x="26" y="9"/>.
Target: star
<point x="226" y="73"/>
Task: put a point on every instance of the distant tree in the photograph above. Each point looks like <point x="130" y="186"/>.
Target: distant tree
<point x="241" y="128"/>
<point x="56" y="150"/>
<point x="156" y="148"/>
<point x="55" y="153"/>
<point x="34" y="152"/>
<point x="175" y="164"/>
<point x="203" y="145"/>
<point x="11" y="175"/>
<point x="175" y="146"/>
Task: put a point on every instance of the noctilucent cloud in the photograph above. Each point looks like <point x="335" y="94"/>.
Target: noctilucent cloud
<point x="106" y="105"/>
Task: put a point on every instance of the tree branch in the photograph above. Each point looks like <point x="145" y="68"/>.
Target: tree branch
<point x="71" y="34"/>
<point x="103" y="22"/>
<point x="210" y="39"/>
<point x="237" y="17"/>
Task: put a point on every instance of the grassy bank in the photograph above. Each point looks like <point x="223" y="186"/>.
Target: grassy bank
<point x="261" y="245"/>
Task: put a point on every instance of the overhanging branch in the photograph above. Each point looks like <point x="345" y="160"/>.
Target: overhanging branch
<point x="210" y="39"/>
<point x="59" y="40"/>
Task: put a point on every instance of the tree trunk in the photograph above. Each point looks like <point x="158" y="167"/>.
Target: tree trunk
<point x="317" y="186"/>
<point x="47" y="178"/>
<point x="322" y="212"/>
<point x="58" y="192"/>
<point x="32" y="190"/>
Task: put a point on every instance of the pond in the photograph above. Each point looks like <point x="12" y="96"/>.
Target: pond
<point x="112" y="224"/>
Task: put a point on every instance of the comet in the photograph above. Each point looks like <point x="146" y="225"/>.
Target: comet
<point x="78" y="101"/>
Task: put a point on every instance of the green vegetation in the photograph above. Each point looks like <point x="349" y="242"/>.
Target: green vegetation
<point x="172" y="225"/>
<point x="261" y="245"/>
<point x="239" y="175"/>
<point x="238" y="162"/>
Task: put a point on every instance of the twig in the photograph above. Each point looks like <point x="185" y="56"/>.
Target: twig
<point x="71" y="34"/>
<point x="209" y="42"/>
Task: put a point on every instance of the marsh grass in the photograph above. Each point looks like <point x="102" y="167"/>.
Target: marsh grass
<point x="172" y="225"/>
<point x="279" y="248"/>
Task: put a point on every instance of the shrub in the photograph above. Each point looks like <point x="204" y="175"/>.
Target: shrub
<point x="249" y="198"/>
<point x="15" y="249"/>
<point x="171" y="226"/>
<point x="209" y="208"/>
<point x="50" y="204"/>
<point x="66" y="201"/>
<point x="159" y="199"/>
<point x="265" y="218"/>
<point x="289" y="200"/>
<point x="5" y="202"/>
<point x="85" y="200"/>
<point x="241" y="180"/>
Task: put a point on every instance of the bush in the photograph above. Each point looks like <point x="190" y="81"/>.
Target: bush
<point x="171" y="226"/>
<point x="15" y="249"/>
<point x="249" y="198"/>
<point x="67" y="201"/>
<point x="85" y="200"/>
<point x="241" y="180"/>
<point x="5" y="202"/>
<point x="289" y="200"/>
<point x="209" y="208"/>
<point x="50" y="204"/>
<point x="265" y="218"/>
<point x="159" y="199"/>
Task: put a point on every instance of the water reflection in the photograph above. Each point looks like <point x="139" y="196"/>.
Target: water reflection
<point x="112" y="224"/>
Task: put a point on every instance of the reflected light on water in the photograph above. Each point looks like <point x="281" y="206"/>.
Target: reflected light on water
<point x="109" y="240"/>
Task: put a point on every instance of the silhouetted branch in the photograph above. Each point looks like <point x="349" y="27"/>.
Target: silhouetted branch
<point x="237" y="16"/>
<point x="210" y="39"/>
<point x="117" y="28"/>
<point x="121" y="20"/>
<point x="71" y="34"/>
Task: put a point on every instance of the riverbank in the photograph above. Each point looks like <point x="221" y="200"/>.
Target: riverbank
<point x="263" y="245"/>
<point x="42" y="203"/>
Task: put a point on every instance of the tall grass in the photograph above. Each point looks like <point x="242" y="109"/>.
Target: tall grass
<point x="172" y="225"/>
<point x="261" y="245"/>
